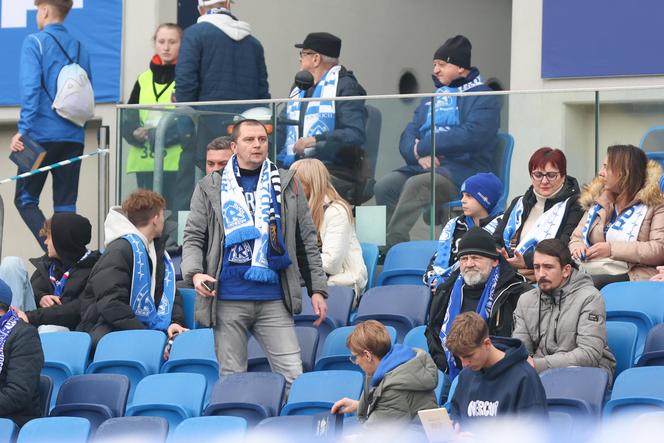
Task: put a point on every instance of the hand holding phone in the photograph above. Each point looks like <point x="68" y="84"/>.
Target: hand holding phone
<point x="208" y="284"/>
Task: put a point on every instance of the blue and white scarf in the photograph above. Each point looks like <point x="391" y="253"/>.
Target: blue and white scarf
<point x="624" y="228"/>
<point x="319" y="117"/>
<point x="546" y="226"/>
<point x="446" y="109"/>
<point x="142" y="298"/>
<point x="484" y="307"/>
<point x="253" y="245"/>
<point x="7" y="323"/>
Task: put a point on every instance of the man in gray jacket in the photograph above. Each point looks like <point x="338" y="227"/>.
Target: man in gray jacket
<point x="248" y="239"/>
<point x="562" y="322"/>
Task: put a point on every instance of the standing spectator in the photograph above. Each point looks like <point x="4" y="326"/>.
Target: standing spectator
<point x="466" y="141"/>
<point x="341" y="252"/>
<point x="217" y="155"/>
<point x="43" y="55"/>
<point x="247" y="265"/>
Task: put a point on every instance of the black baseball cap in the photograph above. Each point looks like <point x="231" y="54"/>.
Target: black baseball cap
<point x="323" y="43"/>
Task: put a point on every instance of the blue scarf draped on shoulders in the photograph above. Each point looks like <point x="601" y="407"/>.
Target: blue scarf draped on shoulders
<point x="7" y="324"/>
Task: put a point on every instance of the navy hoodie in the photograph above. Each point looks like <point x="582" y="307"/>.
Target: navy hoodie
<point x="510" y="387"/>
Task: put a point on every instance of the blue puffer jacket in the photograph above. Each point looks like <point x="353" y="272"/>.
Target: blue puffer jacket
<point x="220" y="60"/>
<point x="465" y="149"/>
<point x="41" y="61"/>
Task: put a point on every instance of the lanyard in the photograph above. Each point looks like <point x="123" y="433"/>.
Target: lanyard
<point x="59" y="285"/>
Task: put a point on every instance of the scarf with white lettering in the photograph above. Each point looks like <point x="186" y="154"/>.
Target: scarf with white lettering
<point x="546" y="226"/>
<point x="624" y="228"/>
<point x="446" y="109"/>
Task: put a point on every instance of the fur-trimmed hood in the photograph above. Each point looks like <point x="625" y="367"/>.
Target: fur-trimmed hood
<point x="650" y="194"/>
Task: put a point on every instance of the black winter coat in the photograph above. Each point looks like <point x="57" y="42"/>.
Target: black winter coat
<point x="508" y="290"/>
<point x="67" y="314"/>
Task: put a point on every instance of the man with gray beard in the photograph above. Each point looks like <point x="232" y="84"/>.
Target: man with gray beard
<point x="484" y="283"/>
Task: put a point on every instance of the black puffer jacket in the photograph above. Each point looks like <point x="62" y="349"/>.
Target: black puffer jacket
<point x="67" y="314"/>
<point x="508" y="290"/>
<point x="19" y="379"/>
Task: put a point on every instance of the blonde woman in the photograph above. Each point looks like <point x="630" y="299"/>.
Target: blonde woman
<point x="340" y="250"/>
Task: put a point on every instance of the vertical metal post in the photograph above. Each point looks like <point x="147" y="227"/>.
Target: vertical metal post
<point x="2" y="222"/>
<point x="103" y="140"/>
<point x="432" y="213"/>
<point x="596" y="132"/>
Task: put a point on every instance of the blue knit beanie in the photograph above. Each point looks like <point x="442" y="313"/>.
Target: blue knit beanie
<point x="661" y="183"/>
<point x="484" y="187"/>
<point x="5" y="293"/>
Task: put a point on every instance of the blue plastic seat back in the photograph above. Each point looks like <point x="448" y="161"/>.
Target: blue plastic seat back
<point x="143" y="429"/>
<point x="188" y="304"/>
<point x="653" y="139"/>
<point x="335" y="355"/>
<point x="657" y="156"/>
<point x="370" y="255"/>
<point x="173" y="396"/>
<point x="203" y="429"/>
<point x="96" y="397"/>
<point x="177" y="264"/>
<point x="256" y="359"/>
<point x="339" y="304"/>
<point x="416" y="338"/>
<point x="401" y="306"/>
<point x="637" y="390"/>
<point x="8" y="430"/>
<point x="622" y="343"/>
<point x="583" y="388"/>
<point x="250" y="395"/>
<point x="45" y="393"/>
<point x="308" y="338"/>
<point x="65" y="354"/>
<point x="653" y="351"/>
<point x="406" y="262"/>
<point x="316" y="392"/>
<point x="294" y="428"/>
<point x="55" y="430"/>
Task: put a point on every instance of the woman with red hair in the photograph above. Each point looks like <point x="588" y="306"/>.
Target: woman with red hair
<point x="548" y="209"/>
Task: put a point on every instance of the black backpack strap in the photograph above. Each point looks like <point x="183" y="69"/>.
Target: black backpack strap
<point x="61" y="48"/>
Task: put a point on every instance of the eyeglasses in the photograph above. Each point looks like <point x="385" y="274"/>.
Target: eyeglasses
<point x="537" y="175"/>
<point x="303" y="53"/>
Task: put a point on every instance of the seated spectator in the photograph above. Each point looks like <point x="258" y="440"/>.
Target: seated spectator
<point x="484" y="283"/>
<point x="340" y="249"/>
<point x="132" y="286"/>
<point x="621" y="235"/>
<point x="399" y="380"/>
<point x="21" y="361"/>
<point x="548" y="209"/>
<point x="61" y="274"/>
<point x="497" y="380"/>
<point x="466" y="141"/>
<point x="331" y="131"/>
<point x="479" y="195"/>
<point x="562" y="322"/>
<point x="218" y="153"/>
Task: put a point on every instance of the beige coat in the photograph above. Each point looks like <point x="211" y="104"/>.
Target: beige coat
<point x="647" y="252"/>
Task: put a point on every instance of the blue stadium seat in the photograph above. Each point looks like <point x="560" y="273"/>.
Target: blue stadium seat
<point x="294" y="428"/>
<point x="622" y="342"/>
<point x="177" y="264"/>
<point x="96" y="397"/>
<point x="401" y="306"/>
<point x="316" y="392"/>
<point x="653" y="352"/>
<point x="65" y="354"/>
<point x="370" y="255"/>
<point x="416" y="338"/>
<point x="188" y="304"/>
<point x="250" y="395"/>
<point x="335" y="354"/>
<point x="132" y="429"/>
<point x="8" y="430"/>
<point x="307" y="337"/>
<point x="637" y="390"/>
<point x="205" y="429"/>
<point x="638" y="302"/>
<point x="193" y="351"/>
<point x="45" y="394"/>
<point x="657" y="156"/>
<point x="576" y="390"/>
<point x="653" y="140"/>
<point x="175" y="397"/>
<point x="406" y="262"/>
<point x="136" y="354"/>
<point x="440" y="387"/>
<point x="55" y="430"/>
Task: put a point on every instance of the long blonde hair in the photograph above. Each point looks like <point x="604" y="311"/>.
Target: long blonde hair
<point x="313" y="174"/>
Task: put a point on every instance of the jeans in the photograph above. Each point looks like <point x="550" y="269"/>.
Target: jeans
<point x="13" y="272"/>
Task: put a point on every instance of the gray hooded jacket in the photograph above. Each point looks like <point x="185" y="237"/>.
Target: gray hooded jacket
<point x="202" y="249"/>
<point x="567" y="328"/>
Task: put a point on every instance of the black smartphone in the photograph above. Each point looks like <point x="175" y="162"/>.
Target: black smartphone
<point x="208" y="284"/>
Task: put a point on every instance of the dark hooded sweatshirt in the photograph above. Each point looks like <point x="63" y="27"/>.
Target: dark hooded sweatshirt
<point x="510" y="387"/>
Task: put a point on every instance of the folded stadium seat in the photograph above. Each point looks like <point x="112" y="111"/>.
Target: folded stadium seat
<point x="188" y="304"/>
<point x="336" y="355"/>
<point x="622" y="343"/>
<point x="250" y="395"/>
<point x="316" y="392"/>
<point x="653" y="351"/>
<point x="307" y="337"/>
<point x="65" y="354"/>
<point x="132" y="429"/>
<point x="96" y="397"/>
<point x="175" y="397"/>
<point x="135" y="353"/>
<point x="55" y="430"/>
<point x="8" y="430"/>
<point x="579" y="391"/>
<point x="440" y="399"/>
<point x="415" y="338"/>
<point x="45" y="394"/>
<point x="638" y="302"/>
<point x="177" y="264"/>
<point x="406" y="262"/>
<point x="637" y="391"/>
<point x="401" y="306"/>
<point x="193" y="351"/>
<point x="209" y="429"/>
<point x="370" y="255"/>
<point x="294" y="428"/>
